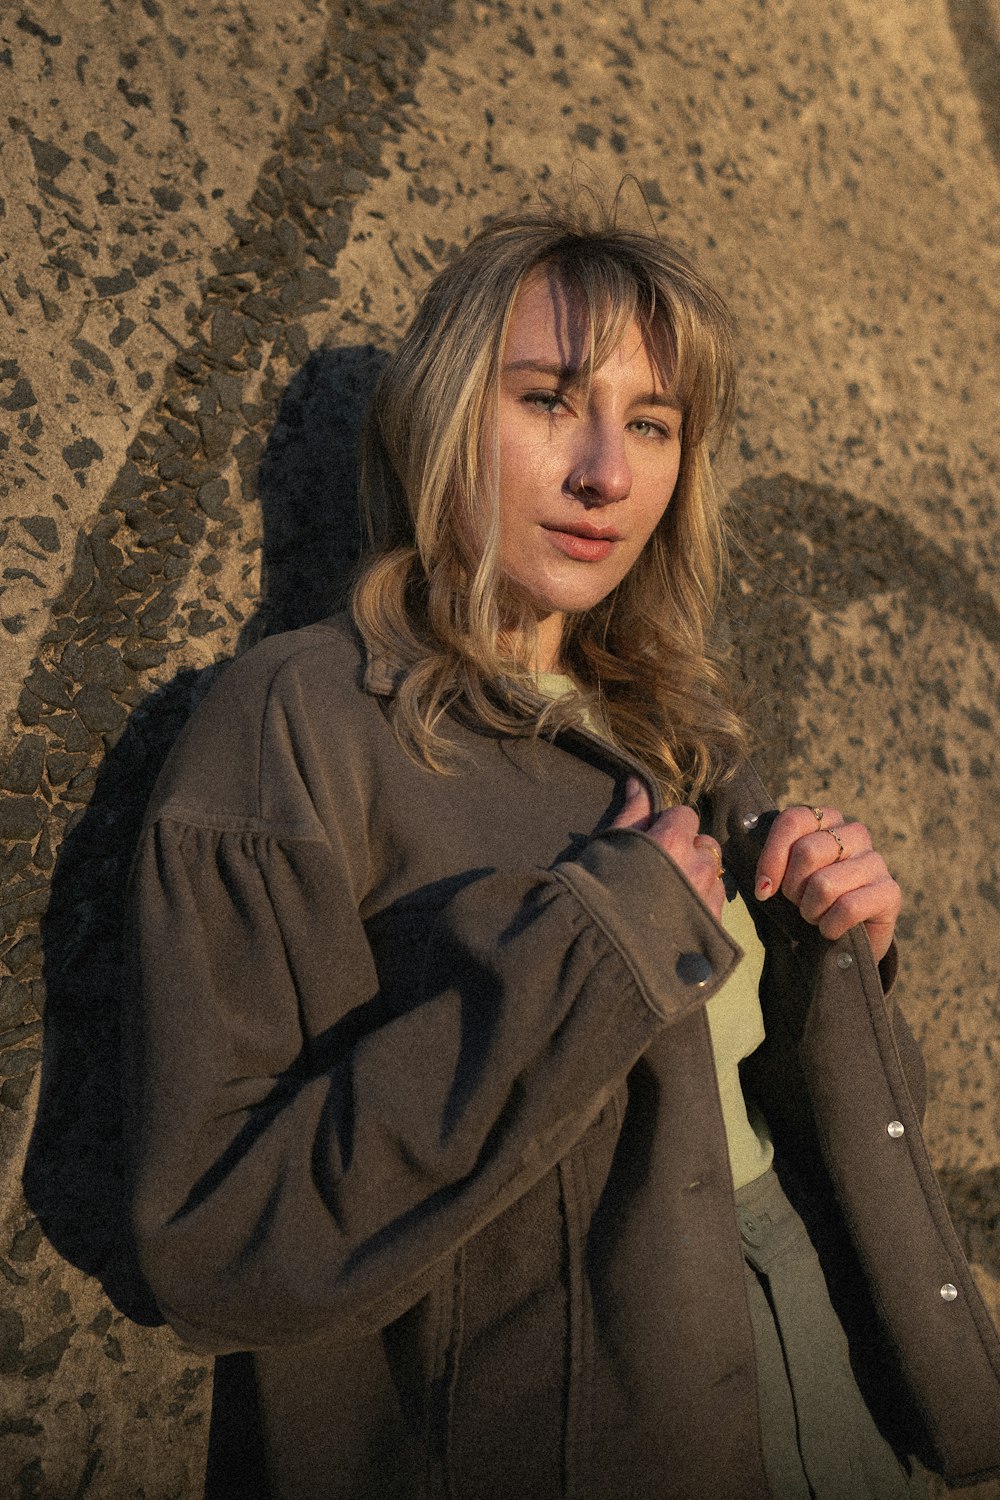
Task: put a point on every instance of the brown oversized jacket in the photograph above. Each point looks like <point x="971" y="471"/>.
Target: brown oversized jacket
<point x="425" y="1119"/>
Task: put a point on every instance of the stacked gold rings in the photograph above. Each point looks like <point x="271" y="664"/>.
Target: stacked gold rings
<point x="818" y="813"/>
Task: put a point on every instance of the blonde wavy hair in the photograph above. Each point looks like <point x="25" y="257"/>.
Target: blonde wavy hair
<point x="459" y="642"/>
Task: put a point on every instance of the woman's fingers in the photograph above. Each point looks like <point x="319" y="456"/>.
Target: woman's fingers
<point x="637" y="809"/>
<point x="696" y="854"/>
<point x="875" y="903"/>
<point x="822" y="849"/>
<point x="788" y="828"/>
<point x="713" y="847"/>
<point x="828" y="869"/>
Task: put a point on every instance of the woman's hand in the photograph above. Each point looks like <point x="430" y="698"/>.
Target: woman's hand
<point x="696" y="854"/>
<point x="829" y="870"/>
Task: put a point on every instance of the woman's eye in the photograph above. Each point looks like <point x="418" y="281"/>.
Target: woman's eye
<point x="547" y="401"/>
<point x="645" y="427"/>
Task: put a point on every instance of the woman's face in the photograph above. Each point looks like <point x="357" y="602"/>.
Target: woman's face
<point x="585" y="475"/>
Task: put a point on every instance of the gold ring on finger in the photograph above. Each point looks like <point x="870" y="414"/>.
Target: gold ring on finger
<point x="817" y="813"/>
<point x="842" y="852"/>
<point x="704" y="842"/>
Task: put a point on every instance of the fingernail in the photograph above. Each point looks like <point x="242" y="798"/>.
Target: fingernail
<point x="763" y="888"/>
<point x="633" y="787"/>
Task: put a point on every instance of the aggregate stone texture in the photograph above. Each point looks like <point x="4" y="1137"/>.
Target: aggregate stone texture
<point x="216" y="220"/>
<point x="132" y="133"/>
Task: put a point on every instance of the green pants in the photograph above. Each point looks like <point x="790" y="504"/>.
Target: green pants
<point x="819" y="1439"/>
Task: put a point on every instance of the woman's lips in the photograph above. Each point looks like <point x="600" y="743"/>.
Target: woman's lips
<point x="584" y="546"/>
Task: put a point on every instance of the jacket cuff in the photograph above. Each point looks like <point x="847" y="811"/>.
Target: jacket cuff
<point x="677" y="952"/>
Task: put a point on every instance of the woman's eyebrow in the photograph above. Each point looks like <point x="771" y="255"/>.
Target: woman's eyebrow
<point x="542" y="367"/>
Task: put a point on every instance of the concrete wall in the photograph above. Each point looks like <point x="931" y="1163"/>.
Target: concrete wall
<point x="215" y="218"/>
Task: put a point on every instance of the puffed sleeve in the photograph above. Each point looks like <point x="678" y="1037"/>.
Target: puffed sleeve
<point x="293" y="1177"/>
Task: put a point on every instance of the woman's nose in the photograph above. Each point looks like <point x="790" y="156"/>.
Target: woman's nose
<point x="601" y="472"/>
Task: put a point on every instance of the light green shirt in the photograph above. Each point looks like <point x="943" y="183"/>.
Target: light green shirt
<point x="557" y="685"/>
<point x="736" y="1024"/>
<point x="735" y="1019"/>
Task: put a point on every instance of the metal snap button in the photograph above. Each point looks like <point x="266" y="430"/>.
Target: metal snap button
<point x="948" y="1292"/>
<point x="694" y="968"/>
<point x="844" y="960"/>
<point x="896" y="1128"/>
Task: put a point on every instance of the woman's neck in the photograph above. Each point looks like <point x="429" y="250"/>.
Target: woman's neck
<point x="548" y="644"/>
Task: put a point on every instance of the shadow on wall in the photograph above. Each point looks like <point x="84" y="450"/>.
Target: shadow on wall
<point x="75" y="1179"/>
<point x="803" y="546"/>
<point x="307" y="488"/>
<point x="974" y="27"/>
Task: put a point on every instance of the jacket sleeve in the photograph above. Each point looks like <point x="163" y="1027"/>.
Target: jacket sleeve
<point x="306" y="1148"/>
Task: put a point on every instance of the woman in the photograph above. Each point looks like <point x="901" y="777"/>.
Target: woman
<point x="442" y="1134"/>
